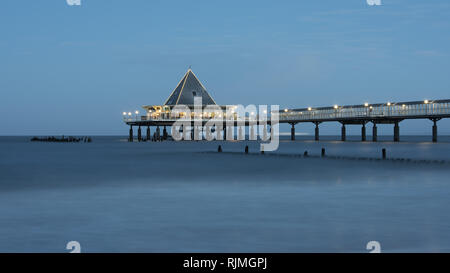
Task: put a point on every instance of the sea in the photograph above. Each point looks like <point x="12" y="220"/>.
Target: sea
<point x="114" y="196"/>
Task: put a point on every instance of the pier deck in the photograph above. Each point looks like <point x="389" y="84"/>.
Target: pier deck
<point x="381" y="113"/>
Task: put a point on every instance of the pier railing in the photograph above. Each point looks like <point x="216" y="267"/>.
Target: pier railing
<point x="173" y="119"/>
<point x="422" y="109"/>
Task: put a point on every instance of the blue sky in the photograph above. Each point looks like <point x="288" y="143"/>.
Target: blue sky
<point x="75" y="69"/>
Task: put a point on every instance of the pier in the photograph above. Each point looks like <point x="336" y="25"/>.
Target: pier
<point x="381" y="113"/>
<point x="162" y="116"/>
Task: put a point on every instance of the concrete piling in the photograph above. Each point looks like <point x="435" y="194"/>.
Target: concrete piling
<point x="293" y="132"/>
<point x="343" y="133"/>
<point x="396" y="132"/>
<point x="363" y="132"/>
<point x="435" y="130"/>
<point x="316" y="132"/>
<point x="130" y="137"/>
<point x="374" y="133"/>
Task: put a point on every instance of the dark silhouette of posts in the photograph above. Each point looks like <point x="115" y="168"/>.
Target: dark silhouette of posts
<point x="130" y="137"/>
<point x="323" y="152"/>
<point x="435" y="130"/>
<point x="165" y="135"/>
<point x="396" y="132"/>
<point x="383" y="153"/>
<point x="148" y="133"/>
<point x="374" y="132"/>
<point x="139" y="134"/>
<point x="246" y="149"/>
<point x="158" y="133"/>
<point x="363" y="132"/>
<point x="343" y="133"/>
<point x="219" y="149"/>
<point x="293" y="131"/>
<point x="316" y="131"/>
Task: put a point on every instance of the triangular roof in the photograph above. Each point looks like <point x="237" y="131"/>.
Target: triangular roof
<point x="188" y="88"/>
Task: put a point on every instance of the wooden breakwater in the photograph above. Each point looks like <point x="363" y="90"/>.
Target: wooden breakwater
<point x="62" y="139"/>
<point x="323" y="155"/>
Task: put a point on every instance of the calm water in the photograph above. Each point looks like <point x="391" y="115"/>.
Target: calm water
<point x="115" y="196"/>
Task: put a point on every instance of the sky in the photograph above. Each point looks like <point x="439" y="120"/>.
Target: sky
<point x="74" y="69"/>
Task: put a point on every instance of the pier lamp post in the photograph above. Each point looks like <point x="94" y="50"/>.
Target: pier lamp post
<point x="336" y="107"/>
<point x="426" y="106"/>
<point x="137" y="113"/>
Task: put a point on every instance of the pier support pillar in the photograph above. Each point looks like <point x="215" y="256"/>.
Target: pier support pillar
<point x="148" y="133"/>
<point x="158" y="133"/>
<point x="225" y="132"/>
<point x="130" y="138"/>
<point x="252" y="132"/>
<point x="293" y="131"/>
<point x="230" y="132"/>
<point x="316" y="132"/>
<point x="396" y="132"/>
<point x="363" y="132"/>
<point x="265" y="132"/>
<point x="197" y="135"/>
<point x="435" y="130"/>
<point x="165" y="133"/>
<point x="139" y="134"/>
<point x="343" y="133"/>
<point x="241" y="133"/>
<point x="374" y="133"/>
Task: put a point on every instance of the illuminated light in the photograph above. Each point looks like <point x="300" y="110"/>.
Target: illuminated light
<point x="403" y="106"/>
<point x="265" y="111"/>
<point x="285" y="110"/>
<point x="371" y="107"/>
<point x="252" y="113"/>
<point x="388" y="104"/>
<point x="124" y="113"/>
<point x="309" y="108"/>
<point x="366" y="104"/>
<point x="129" y="113"/>
<point x="336" y="107"/>
<point x="426" y="101"/>
<point x="137" y="112"/>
